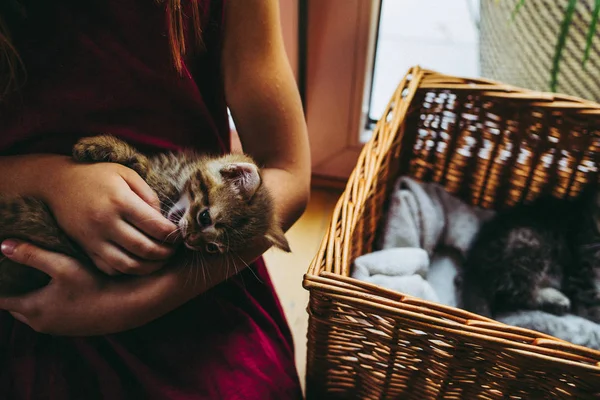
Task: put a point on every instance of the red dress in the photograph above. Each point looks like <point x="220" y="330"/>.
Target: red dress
<point x="99" y="66"/>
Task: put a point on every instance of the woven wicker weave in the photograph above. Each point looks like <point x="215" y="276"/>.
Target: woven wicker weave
<point x="492" y="145"/>
<point x="520" y="51"/>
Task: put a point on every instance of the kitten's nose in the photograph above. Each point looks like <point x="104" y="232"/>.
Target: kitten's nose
<point x="192" y="237"/>
<point x="192" y="241"/>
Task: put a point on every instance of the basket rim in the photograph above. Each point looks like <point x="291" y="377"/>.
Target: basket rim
<point x="492" y="88"/>
<point x="351" y="203"/>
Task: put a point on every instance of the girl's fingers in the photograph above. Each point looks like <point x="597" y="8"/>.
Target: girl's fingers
<point x="112" y="259"/>
<point x="26" y="304"/>
<point x="20" y="317"/>
<point x="54" y="264"/>
<point x="148" y="220"/>
<point x="13" y="304"/>
<point x="141" y="188"/>
<point x="143" y="210"/>
<point x="138" y="244"/>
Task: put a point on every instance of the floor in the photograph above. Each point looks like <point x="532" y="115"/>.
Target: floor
<point x="287" y="270"/>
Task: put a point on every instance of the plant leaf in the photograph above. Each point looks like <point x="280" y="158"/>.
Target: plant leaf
<point x="516" y="9"/>
<point x="591" y="31"/>
<point x="560" y="43"/>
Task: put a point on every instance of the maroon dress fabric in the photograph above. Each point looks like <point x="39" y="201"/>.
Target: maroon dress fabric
<point x="99" y="66"/>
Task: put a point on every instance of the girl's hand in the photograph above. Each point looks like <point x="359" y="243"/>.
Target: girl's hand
<point x="111" y="212"/>
<point x="80" y="301"/>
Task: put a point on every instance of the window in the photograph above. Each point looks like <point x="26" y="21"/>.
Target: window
<point x="357" y="51"/>
<point x="440" y="35"/>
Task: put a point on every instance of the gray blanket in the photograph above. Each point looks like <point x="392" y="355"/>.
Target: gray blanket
<point x="426" y="235"/>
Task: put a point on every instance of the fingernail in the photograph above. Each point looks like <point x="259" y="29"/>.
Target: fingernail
<point x="8" y="247"/>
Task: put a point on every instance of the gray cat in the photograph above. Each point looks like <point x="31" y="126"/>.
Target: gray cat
<point x="544" y="255"/>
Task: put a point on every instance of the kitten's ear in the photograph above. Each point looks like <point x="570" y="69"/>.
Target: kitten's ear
<point x="244" y="176"/>
<point x="276" y="237"/>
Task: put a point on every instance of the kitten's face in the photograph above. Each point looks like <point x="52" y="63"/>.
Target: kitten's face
<point x="212" y="212"/>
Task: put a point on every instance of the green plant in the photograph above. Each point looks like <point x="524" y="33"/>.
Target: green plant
<point x="564" y="33"/>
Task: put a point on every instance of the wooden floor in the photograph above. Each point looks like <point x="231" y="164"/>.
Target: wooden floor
<point x="287" y="270"/>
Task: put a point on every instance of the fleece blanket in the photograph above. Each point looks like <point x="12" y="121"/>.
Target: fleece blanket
<point x="426" y="235"/>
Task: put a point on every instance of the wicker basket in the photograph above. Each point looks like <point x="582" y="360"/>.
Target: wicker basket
<point x="492" y="145"/>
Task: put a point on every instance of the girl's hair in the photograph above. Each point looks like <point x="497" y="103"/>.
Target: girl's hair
<point x="12" y="68"/>
<point x="176" y="30"/>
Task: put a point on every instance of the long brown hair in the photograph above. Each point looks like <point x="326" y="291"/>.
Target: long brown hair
<point x="11" y="66"/>
<point x="176" y="30"/>
<point x="12" y="69"/>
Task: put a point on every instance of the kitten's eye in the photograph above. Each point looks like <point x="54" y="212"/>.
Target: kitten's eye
<point x="212" y="248"/>
<point x="204" y="218"/>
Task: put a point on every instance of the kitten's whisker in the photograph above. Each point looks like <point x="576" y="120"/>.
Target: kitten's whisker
<point x="207" y="270"/>
<point x="227" y="270"/>
<point x="186" y="269"/>
<point x="240" y="258"/>
<point x="167" y="206"/>
<point x="161" y="193"/>
<point x="164" y="197"/>
<point x="196" y="272"/>
<point x="193" y="270"/>
<point x="248" y="267"/>
<point x="237" y="271"/>
<point x="175" y="232"/>
<point x="166" y="201"/>
<point x="181" y="268"/>
<point x="228" y="242"/>
<point x="204" y="268"/>
<point x="225" y="266"/>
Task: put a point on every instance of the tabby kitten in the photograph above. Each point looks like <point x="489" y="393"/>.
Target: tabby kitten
<point x="218" y="203"/>
<point x="544" y="255"/>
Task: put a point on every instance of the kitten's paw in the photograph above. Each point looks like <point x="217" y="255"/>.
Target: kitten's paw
<point x="105" y="148"/>
<point x="553" y="301"/>
<point x="101" y="148"/>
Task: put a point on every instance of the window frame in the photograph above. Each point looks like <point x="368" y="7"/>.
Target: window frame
<point x="340" y="43"/>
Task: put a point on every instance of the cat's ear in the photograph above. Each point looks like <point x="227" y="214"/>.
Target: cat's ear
<point x="244" y="176"/>
<point x="276" y="237"/>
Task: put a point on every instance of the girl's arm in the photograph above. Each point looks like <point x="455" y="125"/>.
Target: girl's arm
<point x="265" y="104"/>
<point x="106" y="208"/>
<point x="266" y="107"/>
<point x="21" y="175"/>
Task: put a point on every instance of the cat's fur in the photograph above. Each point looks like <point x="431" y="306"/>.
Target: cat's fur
<point x="544" y="255"/>
<point x="218" y="203"/>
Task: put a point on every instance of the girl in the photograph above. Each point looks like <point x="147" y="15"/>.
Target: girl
<point x="159" y="74"/>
